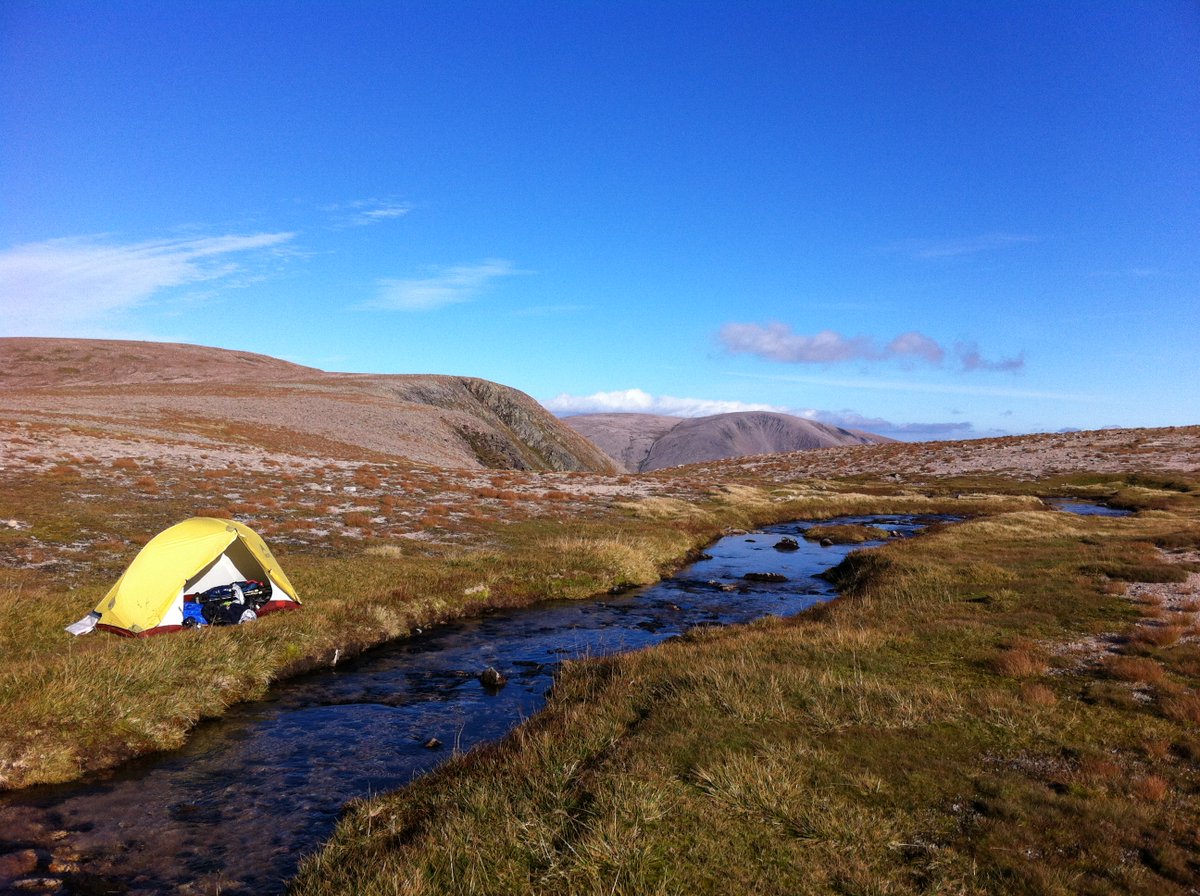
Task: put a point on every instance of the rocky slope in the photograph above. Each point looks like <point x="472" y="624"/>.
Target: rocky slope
<point x="195" y="396"/>
<point x="644" y="442"/>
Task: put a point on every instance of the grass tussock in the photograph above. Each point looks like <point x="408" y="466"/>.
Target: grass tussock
<point x="915" y="737"/>
<point x="845" y="534"/>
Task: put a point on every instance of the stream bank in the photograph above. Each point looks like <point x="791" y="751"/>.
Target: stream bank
<point x="252" y="792"/>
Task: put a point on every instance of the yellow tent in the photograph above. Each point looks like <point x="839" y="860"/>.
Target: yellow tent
<point x="190" y="557"/>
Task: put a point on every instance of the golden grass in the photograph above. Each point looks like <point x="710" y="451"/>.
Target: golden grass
<point x="877" y="745"/>
<point x="908" y="739"/>
<point x="362" y="583"/>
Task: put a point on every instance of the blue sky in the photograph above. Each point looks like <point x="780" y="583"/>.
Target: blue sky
<point x="927" y="219"/>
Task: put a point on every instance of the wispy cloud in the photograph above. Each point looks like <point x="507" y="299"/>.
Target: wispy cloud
<point x="779" y="342"/>
<point x="957" y="246"/>
<point x="364" y="212"/>
<point x="930" y="388"/>
<point x="637" y="401"/>
<point x="908" y="432"/>
<point x="58" y="284"/>
<point x="443" y="286"/>
<point x="915" y="345"/>
<point x="968" y="355"/>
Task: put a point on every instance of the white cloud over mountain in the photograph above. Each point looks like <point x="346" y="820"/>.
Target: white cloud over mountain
<point x="637" y="401"/>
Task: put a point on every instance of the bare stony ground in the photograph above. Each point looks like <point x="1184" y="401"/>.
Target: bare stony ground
<point x="305" y="495"/>
<point x="1017" y="457"/>
<point x="1169" y="609"/>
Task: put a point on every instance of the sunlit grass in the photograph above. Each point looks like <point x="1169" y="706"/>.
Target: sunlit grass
<point x="363" y="582"/>
<point x="920" y="735"/>
<point x="940" y="730"/>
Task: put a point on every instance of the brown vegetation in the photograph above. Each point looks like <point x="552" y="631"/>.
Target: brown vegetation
<point x="1005" y="705"/>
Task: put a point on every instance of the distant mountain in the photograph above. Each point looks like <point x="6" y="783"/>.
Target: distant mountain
<point x="194" y="396"/>
<point x="644" y="442"/>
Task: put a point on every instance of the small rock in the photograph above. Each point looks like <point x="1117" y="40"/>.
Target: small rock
<point x="492" y="679"/>
<point x="34" y="884"/>
<point x="432" y="744"/>
<point x="787" y="544"/>
<point x="764" y="577"/>
<point x="826" y="542"/>
<point x="18" y="864"/>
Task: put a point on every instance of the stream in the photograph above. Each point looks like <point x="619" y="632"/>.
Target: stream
<point x="251" y="793"/>
<point x="1085" y="508"/>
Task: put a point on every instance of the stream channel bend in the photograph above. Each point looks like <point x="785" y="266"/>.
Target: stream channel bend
<point x="252" y="792"/>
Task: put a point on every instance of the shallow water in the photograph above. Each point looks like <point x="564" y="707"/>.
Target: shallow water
<point x="251" y="793"/>
<point x="1086" y="508"/>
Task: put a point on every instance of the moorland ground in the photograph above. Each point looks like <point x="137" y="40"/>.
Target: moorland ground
<point x="997" y="706"/>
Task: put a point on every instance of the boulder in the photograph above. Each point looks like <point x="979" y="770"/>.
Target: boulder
<point x="492" y="679"/>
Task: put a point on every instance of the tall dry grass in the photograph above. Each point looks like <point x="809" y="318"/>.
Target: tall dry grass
<point x="914" y="737"/>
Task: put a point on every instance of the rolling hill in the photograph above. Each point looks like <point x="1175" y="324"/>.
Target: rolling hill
<point x="195" y="397"/>
<point x="644" y="442"/>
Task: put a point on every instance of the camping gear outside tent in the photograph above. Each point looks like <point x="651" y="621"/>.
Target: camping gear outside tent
<point x="190" y="557"/>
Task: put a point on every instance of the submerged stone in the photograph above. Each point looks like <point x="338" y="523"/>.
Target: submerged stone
<point x="765" y="577"/>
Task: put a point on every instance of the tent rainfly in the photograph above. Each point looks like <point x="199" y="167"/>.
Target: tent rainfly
<point x="190" y="557"/>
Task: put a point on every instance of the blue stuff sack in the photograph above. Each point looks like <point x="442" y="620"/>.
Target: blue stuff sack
<point x="193" y="614"/>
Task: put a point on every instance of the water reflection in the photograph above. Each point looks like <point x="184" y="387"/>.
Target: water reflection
<point x="1086" y="508"/>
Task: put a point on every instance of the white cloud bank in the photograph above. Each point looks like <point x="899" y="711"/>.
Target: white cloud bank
<point x="636" y="401"/>
<point x="444" y="286"/>
<point x="779" y="342"/>
<point x="54" y="286"/>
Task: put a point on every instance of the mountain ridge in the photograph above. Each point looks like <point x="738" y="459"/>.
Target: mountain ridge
<point x="641" y="443"/>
